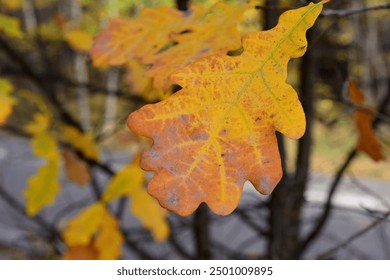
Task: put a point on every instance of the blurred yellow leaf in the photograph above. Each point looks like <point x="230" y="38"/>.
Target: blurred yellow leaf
<point x="76" y="169"/>
<point x="135" y="38"/>
<point x="6" y="101"/>
<point x="150" y="213"/>
<point x="149" y="38"/>
<point x="50" y="31"/>
<point x="45" y="145"/>
<point x="42" y="188"/>
<point x="40" y="124"/>
<point x="140" y="84"/>
<point x="109" y="239"/>
<point x="130" y="181"/>
<point x="95" y="229"/>
<point x="79" y="40"/>
<point x="125" y="182"/>
<point x="82" y="228"/>
<point x="11" y="5"/>
<point x="84" y="142"/>
<point x="214" y="33"/>
<point x="10" y="26"/>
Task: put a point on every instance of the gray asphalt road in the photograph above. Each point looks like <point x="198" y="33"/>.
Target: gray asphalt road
<point x="353" y="201"/>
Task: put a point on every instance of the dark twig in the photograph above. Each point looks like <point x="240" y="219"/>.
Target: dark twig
<point x="176" y="245"/>
<point x="343" y="13"/>
<point x="18" y="207"/>
<point x="328" y="206"/>
<point x="38" y="81"/>
<point x="250" y="222"/>
<point x="353" y="237"/>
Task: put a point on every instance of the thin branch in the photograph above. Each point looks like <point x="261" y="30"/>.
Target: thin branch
<point x="328" y="206"/>
<point x="18" y="207"/>
<point x="343" y="13"/>
<point x="248" y="221"/>
<point x="38" y="81"/>
<point x="176" y="245"/>
<point x="353" y="237"/>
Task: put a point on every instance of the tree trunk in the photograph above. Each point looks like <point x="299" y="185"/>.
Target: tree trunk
<point x="287" y="200"/>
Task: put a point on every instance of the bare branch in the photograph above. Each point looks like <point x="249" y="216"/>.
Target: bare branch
<point x="343" y="13"/>
<point x="353" y="237"/>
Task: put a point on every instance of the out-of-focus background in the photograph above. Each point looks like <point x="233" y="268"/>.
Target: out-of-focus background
<point x="63" y="134"/>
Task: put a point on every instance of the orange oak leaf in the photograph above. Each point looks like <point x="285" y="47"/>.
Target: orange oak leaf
<point x="76" y="169"/>
<point x="135" y="38"/>
<point x="81" y="252"/>
<point x="219" y="130"/>
<point x="367" y="140"/>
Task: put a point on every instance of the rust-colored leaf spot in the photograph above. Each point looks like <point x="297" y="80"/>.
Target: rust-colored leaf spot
<point x="367" y="140"/>
<point x="219" y="130"/>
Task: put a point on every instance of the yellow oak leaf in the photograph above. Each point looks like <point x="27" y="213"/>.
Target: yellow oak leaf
<point x="130" y="182"/>
<point x="42" y="188"/>
<point x="367" y="140"/>
<point x="76" y="169"/>
<point x="109" y="239"/>
<point x="219" y="130"/>
<point x="84" y="142"/>
<point x="214" y="33"/>
<point x="135" y="38"/>
<point x="10" y="26"/>
<point x="6" y="101"/>
<point x="81" y="229"/>
<point x="79" y="40"/>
